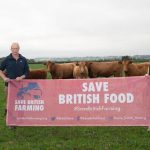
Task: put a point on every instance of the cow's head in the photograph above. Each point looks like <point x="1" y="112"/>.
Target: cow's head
<point x="126" y="61"/>
<point x="49" y="65"/>
<point x="82" y="66"/>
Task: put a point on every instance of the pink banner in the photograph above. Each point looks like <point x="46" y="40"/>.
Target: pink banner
<point x="80" y="102"/>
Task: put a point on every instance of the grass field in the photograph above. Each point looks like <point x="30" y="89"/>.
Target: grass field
<point x="70" y="138"/>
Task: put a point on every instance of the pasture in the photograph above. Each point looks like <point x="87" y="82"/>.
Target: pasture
<point x="70" y="138"/>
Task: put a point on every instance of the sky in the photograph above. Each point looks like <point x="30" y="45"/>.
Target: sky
<point x="75" y="28"/>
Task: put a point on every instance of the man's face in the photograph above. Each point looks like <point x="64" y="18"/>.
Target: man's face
<point x="15" y="49"/>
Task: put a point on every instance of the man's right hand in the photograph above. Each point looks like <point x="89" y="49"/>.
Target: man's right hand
<point x="6" y="79"/>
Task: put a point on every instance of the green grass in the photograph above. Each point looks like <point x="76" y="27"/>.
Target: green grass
<point x="70" y="138"/>
<point x="36" y="66"/>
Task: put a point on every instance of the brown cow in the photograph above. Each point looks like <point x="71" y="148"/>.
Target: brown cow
<point x="37" y="74"/>
<point x="60" y="71"/>
<point x="135" y="69"/>
<point x="80" y="71"/>
<point x="104" y="69"/>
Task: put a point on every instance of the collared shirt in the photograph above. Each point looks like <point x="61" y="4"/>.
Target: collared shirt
<point x="15" y="68"/>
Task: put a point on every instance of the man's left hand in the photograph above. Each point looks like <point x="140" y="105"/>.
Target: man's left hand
<point x="19" y="78"/>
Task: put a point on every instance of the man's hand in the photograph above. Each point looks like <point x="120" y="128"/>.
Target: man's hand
<point x="20" y="78"/>
<point x="6" y="79"/>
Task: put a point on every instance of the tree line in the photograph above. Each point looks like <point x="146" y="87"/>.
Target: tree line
<point x="136" y="58"/>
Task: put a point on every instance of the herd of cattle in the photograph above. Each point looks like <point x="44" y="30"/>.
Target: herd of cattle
<point x="90" y="69"/>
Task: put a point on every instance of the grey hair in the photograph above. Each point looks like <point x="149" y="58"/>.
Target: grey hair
<point x="15" y="43"/>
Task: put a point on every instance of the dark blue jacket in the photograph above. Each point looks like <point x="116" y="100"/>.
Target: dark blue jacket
<point x="15" y="68"/>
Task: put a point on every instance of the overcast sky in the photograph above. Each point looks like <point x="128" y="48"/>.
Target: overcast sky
<point x="66" y="28"/>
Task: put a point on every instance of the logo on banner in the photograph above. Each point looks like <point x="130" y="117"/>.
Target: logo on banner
<point x="29" y="98"/>
<point x="32" y="90"/>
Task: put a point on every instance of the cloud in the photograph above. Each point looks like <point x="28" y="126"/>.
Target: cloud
<point x="81" y="27"/>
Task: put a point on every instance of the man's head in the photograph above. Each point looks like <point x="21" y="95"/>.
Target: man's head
<point x="15" y="48"/>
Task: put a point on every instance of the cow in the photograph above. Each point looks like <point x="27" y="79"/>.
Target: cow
<point x="134" y="69"/>
<point x="104" y="69"/>
<point x="60" y="70"/>
<point x="37" y="74"/>
<point x="80" y="71"/>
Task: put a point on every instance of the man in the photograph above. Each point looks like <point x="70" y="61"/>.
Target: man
<point x="14" y="66"/>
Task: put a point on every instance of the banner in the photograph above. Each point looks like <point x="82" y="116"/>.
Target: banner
<point x="122" y="101"/>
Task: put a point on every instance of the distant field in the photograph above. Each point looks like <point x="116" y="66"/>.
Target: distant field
<point x="70" y="138"/>
<point x="36" y="66"/>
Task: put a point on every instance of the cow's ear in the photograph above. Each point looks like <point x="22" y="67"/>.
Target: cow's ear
<point x="87" y="63"/>
<point x="77" y="63"/>
<point x="44" y="63"/>
<point x="50" y="62"/>
<point x="119" y="62"/>
<point x="130" y="62"/>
